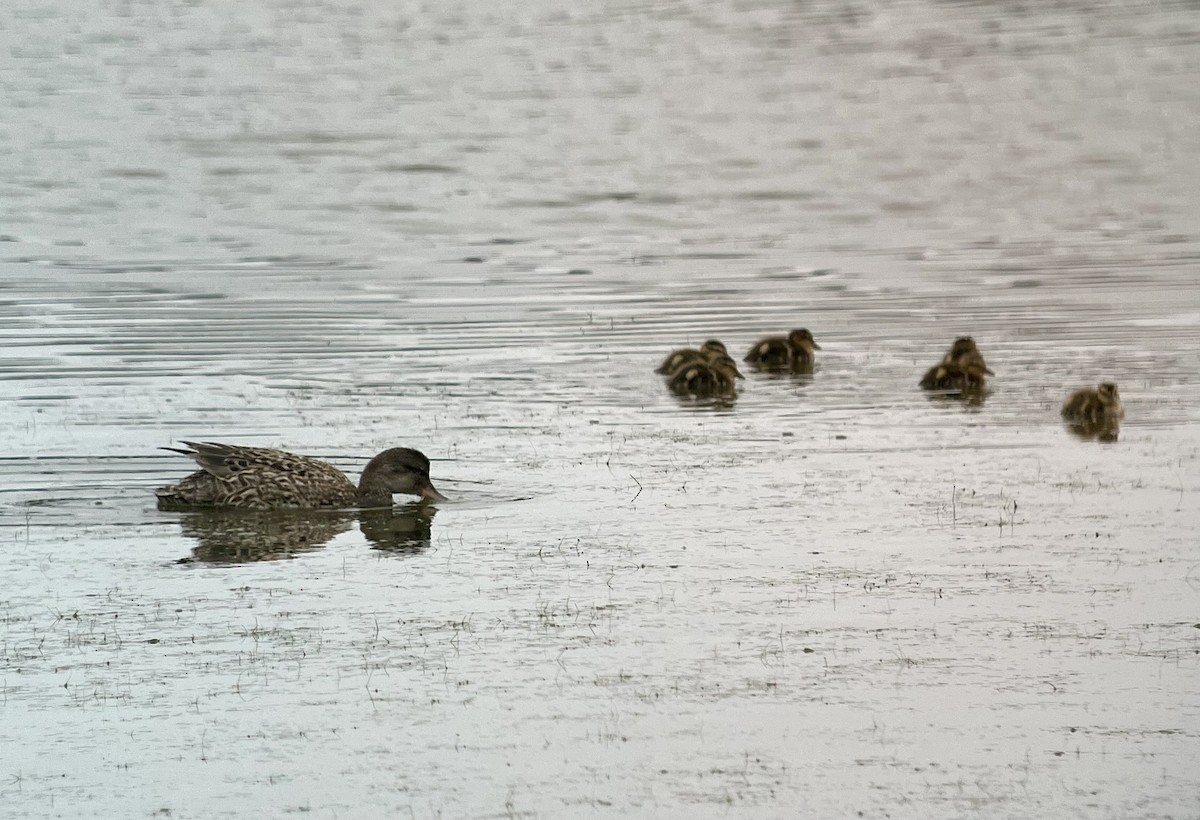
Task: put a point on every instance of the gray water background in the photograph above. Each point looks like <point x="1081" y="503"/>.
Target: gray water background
<point x="337" y="227"/>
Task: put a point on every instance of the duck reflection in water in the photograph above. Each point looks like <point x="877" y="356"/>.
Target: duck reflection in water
<point x="403" y="529"/>
<point x="236" y="536"/>
<point x="228" y="535"/>
<point x="1103" y="430"/>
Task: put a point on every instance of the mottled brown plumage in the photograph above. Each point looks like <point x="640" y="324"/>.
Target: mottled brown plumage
<point x="706" y="379"/>
<point x="262" y="478"/>
<point x="962" y="369"/>
<point x="951" y="377"/>
<point x="1099" y="404"/>
<point x="965" y="352"/>
<point x="230" y="535"/>
<point x="778" y="353"/>
<point x="687" y="355"/>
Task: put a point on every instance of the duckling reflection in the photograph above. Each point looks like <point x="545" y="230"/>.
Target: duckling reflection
<point x="230" y="535"/>
<point x="1103" y="430"/>
<point x="1095" y="413"/>
<point x="404" y="529"/>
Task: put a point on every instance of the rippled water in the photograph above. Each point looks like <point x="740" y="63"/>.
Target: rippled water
<point x="337" y="228"/>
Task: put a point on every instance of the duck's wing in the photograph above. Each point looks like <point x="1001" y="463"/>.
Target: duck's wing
<point x="225" y="460"/>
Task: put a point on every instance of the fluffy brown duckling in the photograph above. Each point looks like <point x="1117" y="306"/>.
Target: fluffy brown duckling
<point x="687" y="355"/>
<point x="791" y="352"/>
<point x="727" y="372"/>
<point x="962" y="369"/>
<point x="967" y="376"/>
<point x="964" y="351"/>
<point x="1098" y="405"/>
<point x="706" y="379"/>
<point x="260" y="478"/>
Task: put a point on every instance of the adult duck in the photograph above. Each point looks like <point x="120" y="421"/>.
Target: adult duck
<point x="261" y="478"/>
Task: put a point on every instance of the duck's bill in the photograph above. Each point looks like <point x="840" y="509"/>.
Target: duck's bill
<point x="432" y="494"/>
<point x="816" y="346"/>
<point x="989" y="371"/>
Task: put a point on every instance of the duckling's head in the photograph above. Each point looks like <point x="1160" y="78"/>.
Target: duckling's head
<point x="1108" y="395"/>
<point x="713" y="348"/>
<point x="725" y="362"/>
<point x="803" y="339"/>
<point x="399" y="470"/>
<point x="963" y="345"/>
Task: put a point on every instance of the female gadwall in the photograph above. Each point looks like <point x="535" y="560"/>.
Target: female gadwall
<point x="792" y="352"/>
<point x="261" y="478"/>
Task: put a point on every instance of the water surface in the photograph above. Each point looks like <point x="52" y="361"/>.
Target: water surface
<point x="338" y="228"/>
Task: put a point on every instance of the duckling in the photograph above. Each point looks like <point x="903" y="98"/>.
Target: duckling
<point x="964" y="350"/>
<point x="1099" y="405"/>
<point x="695" y="378"/>
<point x="706" y="379"/>
<point x="966" y="376"/>
<point x="962" y="369"/>
<point x="727" y="372"/>
<point x="791" y="352"/>
<point x="260" y="478"/>
<point x="687" y="355"/>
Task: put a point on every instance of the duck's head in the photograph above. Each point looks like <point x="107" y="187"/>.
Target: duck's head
<point x="399" y="470"/>
<point x="803" y="339"/>
<point x="1107" y="393"/>
<point x="713" y="348"/>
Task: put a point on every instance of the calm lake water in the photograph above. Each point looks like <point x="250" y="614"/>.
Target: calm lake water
<point x="338" y="227"/>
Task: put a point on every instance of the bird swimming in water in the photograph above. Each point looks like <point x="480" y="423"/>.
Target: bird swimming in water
<point x="687" y="355"/>
<point x="706" y="379"/>
<point x="261" y="478"/>
<point x="1094" y="404"/>
<point x="964" y="351"/>
<point x="1095" y="412"/>
<point x="793" y="352"/>
<point x="953" y="377"/>
<point x="962" y="370"/>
